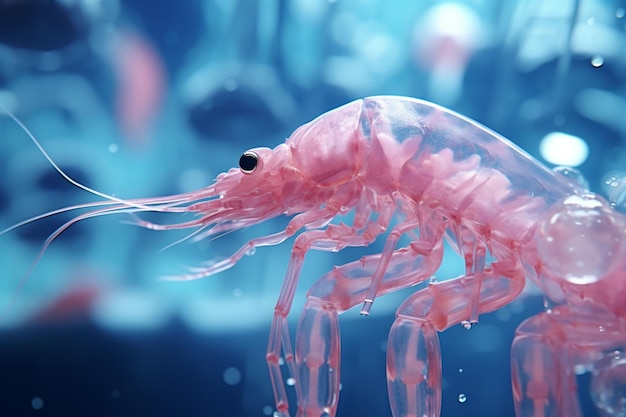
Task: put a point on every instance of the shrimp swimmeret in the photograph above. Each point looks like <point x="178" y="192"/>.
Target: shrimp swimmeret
<point x="440" y="176"/>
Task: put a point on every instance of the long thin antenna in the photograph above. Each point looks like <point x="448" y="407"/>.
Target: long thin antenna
<point x="62" y="173"/>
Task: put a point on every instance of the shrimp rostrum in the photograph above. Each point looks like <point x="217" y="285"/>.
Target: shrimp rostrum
<point x="410" y="171"/>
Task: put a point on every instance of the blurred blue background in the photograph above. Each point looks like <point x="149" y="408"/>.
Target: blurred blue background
<point x="140" y="99"/>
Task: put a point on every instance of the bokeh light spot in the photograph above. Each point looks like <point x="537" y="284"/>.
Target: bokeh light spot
<point x="37" y="403"/>
<point x="563" y="149"/>
<point x="232" y="376"/>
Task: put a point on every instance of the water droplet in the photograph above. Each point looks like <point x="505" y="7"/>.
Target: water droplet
<point x="619" y="13"/>
<point x="601" y="329"/>
<point x="597" y="61"/>
<point x="611" y="181"/>
<point x="268" y="410"/>
<point x="113" y="148"/>
<point x="291" y="382"/>
<point x="232" y="376"/>
<point x="460" y="370"/>
<point x="614" y="187"/>
<point x="591" y="21"/>
<point x="281" y="361"/>
<point x="237" y="292"/>
<point x="37" y="403"/>
<point x="466" y="324"/>
<point x="574" y="176"/>
<point x="462" y="398"/>
<point x="251" y="251"/>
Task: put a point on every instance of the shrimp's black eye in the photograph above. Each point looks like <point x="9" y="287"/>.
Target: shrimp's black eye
<point x="248" y="162"/>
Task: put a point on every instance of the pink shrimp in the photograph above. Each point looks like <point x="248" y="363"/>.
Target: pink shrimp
<point x="440" y="176"/>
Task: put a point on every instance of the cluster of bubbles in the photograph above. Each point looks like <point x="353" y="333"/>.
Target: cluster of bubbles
<point x="614" y="186"/>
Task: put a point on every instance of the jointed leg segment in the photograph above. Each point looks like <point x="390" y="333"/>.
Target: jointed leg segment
<point x="333" y="238"/>
<point x="413" y="356"/>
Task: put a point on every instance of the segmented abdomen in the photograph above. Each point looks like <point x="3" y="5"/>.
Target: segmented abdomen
<point x="446" y="161"/>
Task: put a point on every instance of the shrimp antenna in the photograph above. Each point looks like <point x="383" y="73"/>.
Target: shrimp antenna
<point x="64" y="174"/>
<point x="169" y="204"/>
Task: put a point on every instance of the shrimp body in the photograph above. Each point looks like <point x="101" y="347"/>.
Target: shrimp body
<point x="440" y="176"/>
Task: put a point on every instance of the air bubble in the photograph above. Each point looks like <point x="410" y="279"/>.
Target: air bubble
<point x="611" y="181"/>
<point x="462" y="398"/>
<point x="268" y="410"/>
<point x="291" y="382"/>
<point x="115" y="394"/>
<point x="251" y="251"/>
<point x="466" y="324"/>
<point x="574" y="176"/>
<point x="608" y="388"/>
<point x="597" y="61"/>
<point x="614" y="187"/>
<point x="460" y="370"/>
<point x="37" y="403"/>
<point x="619" y="13"/>
<point x="585" y="240"/>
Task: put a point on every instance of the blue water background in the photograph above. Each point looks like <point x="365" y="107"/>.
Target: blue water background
<point x="93" y="331"/>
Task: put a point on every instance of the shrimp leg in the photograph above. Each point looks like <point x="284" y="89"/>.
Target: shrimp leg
<point x="333" y="238"/>
<point x="318" y="359"/>
<point x="413" y="354"/>
<point x="383" y="263"/>
<point x="543" y="382"/>
<point x="317" y="338"/>
<point x="474" y="253"/>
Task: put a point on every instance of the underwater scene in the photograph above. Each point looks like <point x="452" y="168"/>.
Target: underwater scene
<point x="115" y="302"/>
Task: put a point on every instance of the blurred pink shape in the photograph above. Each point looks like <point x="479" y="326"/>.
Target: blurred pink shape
<point x="140" y="88"/>
<point x="70" y="306"/>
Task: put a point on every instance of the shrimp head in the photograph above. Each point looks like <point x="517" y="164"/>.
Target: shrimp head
<point x="316" y="165"/>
